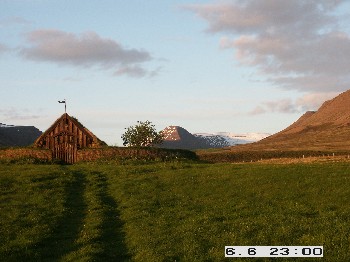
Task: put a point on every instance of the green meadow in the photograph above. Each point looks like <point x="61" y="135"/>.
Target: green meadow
<point x="171" y="211"/>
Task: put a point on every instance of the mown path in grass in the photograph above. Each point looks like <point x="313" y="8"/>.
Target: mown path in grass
<point x="60" y="214"/>
<point x="63" y="236"/>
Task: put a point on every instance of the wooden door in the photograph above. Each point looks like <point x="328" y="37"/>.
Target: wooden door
<point x="65" y="148"/>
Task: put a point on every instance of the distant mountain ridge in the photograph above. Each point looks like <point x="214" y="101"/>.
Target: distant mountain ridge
<point x="179" y="138"/>
<point x="11" y="135"/>
<point x="236" y="139"/>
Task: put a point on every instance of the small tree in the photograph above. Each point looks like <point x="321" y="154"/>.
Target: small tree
<point x="141" y="135"/>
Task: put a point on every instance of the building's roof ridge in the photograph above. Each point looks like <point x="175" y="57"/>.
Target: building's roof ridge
<point x="76" y="122"/>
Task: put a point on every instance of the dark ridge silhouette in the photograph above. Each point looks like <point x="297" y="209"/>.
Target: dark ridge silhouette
<point x="16" y="136"/>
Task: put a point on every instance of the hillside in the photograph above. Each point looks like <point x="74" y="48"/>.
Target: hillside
<point x="18" y="135"/>
<point x="326" y="129"/>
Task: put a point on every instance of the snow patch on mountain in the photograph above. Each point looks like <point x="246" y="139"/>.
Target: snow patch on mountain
<point x="4" y="125"/>
<point x="222" y="139"/>
<point x="212" y="140"/>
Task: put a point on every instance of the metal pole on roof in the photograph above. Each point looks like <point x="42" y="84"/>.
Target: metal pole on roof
<point x="65" y="104"/>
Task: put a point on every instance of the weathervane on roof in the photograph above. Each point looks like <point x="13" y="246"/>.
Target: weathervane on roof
<point x="65" y="105"/>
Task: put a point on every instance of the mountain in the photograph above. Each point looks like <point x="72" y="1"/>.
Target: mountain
<point x="18" y="135"/>
<point x="328" y="128"/>
<point x="178" y="137"/>
<point x="235" y="139"/>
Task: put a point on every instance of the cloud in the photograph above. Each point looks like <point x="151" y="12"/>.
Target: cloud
<point x="13" y="114"/>
<point x="72" y="79"/>
<point x="314" y="101"/>
<point x="255" y="16"/>
<point x="258" y="110"/>
<point x="300" y="105"/>
<point x="85" y="50"/>
<point x="134" y="71"/>
<point x="4" y="48"/>
<point x="280" y="106"/>
<point x="294" y="44"/>
<point x="14" y="20"/>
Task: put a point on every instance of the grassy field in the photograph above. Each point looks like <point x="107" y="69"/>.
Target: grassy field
<point x="178" y="211"/>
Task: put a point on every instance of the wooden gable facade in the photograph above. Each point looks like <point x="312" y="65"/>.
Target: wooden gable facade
<point x="65" y="137"/>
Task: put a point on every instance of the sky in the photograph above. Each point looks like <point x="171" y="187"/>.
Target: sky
<point x="208" y="66"/>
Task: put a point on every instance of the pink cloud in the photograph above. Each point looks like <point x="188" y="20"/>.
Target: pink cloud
<point x="304" y="103"/>
<point x="294" y="44"/>
<point x="84" y="50"/>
